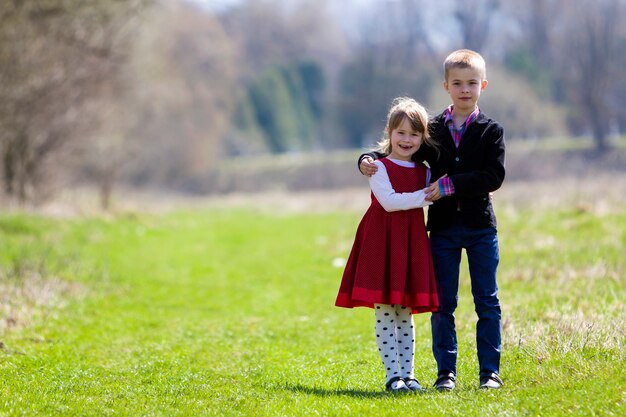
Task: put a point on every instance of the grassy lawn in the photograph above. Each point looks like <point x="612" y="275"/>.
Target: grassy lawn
<point x="230" y="313"/>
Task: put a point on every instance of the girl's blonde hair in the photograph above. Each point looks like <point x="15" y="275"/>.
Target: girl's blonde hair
<point x="415" y="113"/>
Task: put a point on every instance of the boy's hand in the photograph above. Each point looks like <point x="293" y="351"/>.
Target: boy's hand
<point x="368" y="167"/>
<point x="432" y="191"/>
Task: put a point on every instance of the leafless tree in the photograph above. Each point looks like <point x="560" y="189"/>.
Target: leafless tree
<point x="474" y="19"/>
<point x="55" y="56"/>
<point x="181" y="99"/>
<point x="590" y="60"/>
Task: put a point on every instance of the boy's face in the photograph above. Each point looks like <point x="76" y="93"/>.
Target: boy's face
<point x="464" y="86"/>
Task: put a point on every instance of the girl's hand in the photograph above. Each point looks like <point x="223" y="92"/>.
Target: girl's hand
<point x="368" y="167"/>
<point x="432" y="191"/>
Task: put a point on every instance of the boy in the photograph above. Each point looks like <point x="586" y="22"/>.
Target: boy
<point x="469" y="163"/>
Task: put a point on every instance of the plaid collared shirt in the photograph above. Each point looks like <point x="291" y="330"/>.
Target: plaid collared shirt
<point x="446" y="187"/>
<point x="457" y="134"/>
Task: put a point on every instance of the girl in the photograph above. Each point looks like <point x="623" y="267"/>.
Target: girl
<point x="390" y="267"/>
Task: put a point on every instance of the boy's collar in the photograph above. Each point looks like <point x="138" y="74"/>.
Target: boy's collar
<point x="480" y="119"/>
<point x="448" y="113"/>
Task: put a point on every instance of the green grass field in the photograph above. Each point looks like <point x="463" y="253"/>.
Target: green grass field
<point x="230" y="313"/>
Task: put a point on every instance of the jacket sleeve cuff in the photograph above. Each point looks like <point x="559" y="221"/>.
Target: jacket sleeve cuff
<point x="446" y="187"/>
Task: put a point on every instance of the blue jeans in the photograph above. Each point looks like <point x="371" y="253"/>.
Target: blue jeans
<point x="481" y="246"/>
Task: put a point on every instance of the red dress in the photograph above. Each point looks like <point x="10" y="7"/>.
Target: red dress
<point x="390" y="261"/>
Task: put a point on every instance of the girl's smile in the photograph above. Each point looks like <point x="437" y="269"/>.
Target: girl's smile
<point x="404" y="141"/>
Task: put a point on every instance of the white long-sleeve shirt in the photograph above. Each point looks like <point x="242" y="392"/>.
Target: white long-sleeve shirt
<point x="388" y="197"/>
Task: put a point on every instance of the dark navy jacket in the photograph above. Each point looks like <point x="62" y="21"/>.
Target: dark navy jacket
<point x="476" y="168"/>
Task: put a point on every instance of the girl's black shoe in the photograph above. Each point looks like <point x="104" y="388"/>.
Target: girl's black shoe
<point x="396" y="385"/>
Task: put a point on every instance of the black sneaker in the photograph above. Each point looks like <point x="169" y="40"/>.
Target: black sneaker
<point x="396" y="385"/>
<point x="446" y="382"/>
<point x="490" y="380"/>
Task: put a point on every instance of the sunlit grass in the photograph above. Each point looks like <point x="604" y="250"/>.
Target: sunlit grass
<point x="230" y="313"/>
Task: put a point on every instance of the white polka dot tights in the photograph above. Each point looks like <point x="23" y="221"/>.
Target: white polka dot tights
<point x="395" y="337"/>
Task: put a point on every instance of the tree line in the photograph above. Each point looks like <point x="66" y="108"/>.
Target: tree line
<point x="158" y="93"/>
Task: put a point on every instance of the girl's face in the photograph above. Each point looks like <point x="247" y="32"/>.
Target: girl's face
<point x="404" y="141"/>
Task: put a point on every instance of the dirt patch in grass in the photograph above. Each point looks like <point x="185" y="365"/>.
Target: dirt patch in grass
<point x="599" y="193"/>
<point x="536" y="178"/>
<point x="28" y="294"/>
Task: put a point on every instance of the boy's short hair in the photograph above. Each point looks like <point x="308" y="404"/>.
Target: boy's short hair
<point x="464" y="58"/>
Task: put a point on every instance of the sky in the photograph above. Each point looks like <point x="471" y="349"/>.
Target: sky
<point x="349" y="12"/>
<point x="222" y="4"/>
<point x="215" y="4"/>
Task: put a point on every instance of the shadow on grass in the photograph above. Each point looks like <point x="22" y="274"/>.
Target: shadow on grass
<point x="323" y="392"/>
